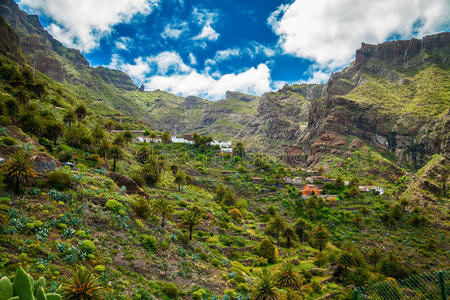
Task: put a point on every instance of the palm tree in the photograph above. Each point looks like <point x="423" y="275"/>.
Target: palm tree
<point x="265" y="288"/>
<point x="103" y="147"/>
<point x="115" y="153"/>
<point x="180" y="178"/>
<point x="191" y="218"/>
<point x="81" y="112"/>
<point x="289" y="235"/>
<point x="288" y="278"/>
<point x="320" y="238"/>
<point x="18" y="170"/>
<point x="276" y="226"/>
<point x="69" y="118"/>
<point x="83" y="285"/>
<point x="150" y="173"/>
<point x="346" y="260"/>
<point x="163" y="207"/>
<point x="127" y="136"/>
<point x="300" y="229"/>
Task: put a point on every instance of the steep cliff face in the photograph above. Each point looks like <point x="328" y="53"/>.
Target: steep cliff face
<point x="9" y="42"/>
<point x="394" y="96"/>
<point x="50" y="57"/>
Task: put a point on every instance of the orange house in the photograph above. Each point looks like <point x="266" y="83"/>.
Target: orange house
<point x="309" y="189"/>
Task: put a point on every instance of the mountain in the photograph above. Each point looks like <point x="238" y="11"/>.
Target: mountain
<point x="395" y="96"/>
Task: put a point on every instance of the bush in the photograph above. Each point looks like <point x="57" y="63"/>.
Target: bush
<point x="268" y="251"/>
<point x="149" y="242"/>
<point x="64" y="156"/>
<point x="230" y="293"/>
<point x="87" y="246"/>
<point x="5" y="120"/>
<point x="8" y="141"/>
<point x="99" y="268"/>
<point x="59" y="180"/>
<point x="243" y="288"/>
<point x="114" y="205"/>
<point x="169" y="289"/>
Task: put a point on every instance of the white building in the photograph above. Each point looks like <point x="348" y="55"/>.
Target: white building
<point x="226" y="150"/>
<point x="178" y="140"/>
<point x="145" y="139"/>
<point x="293" y="180"/>
<point x="368" y="188"/>
<point x="226" y="144"/>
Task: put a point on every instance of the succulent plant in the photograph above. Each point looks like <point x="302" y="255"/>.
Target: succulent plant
<point x="23" y="287"/>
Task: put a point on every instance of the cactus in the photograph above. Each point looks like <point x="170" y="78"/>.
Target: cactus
<point x="23" y="285"/>
<point x="6" y="289"/>
<point x="40" y="294"/>
<point x="25" y="288"/>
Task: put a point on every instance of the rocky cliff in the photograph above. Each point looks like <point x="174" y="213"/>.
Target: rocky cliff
<point x="9" y="42"/>
<point x="394" y="96"/>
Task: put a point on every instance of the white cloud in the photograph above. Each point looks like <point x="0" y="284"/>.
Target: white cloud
<point x="252" y="81"/>
<point x="329" y="32"/>
<point x="123" y="43"/>
<point x="251" y="50"/>
<point x="318" y="76"/>
<point x="82" y="23"/>
<point x="192" y="59"/>
<point x="174" y="31"/>
<point x="136" y="70"/>
<point x="205" y="18"/>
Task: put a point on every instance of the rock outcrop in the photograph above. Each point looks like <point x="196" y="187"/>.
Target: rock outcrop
<point x="380" y="98"/>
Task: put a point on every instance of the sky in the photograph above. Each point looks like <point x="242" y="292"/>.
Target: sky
<point x="206" y="47"/>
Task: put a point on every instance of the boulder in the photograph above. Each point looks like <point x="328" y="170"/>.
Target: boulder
<point x="44" y="162"/>
<point x="131" y="186"/>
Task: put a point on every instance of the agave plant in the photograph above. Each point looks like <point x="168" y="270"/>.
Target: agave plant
<point x="288" y="278"/>
<point x="265" y="288"/>
<point x="83" y="286"/>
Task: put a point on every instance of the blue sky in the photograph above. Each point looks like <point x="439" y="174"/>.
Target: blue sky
<point x="206" y="47"/>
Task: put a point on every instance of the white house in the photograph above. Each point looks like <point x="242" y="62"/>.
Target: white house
<point x="145" y="139"/>
<point x="226" y="150"/>
<point x="178" y="140"/>
<point x="226" y="144"/>
<point x="293" y="180"/>
<point x="368" y="188"/>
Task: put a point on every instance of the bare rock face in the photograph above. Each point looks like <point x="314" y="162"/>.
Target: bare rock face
<point x="44" y="163"/>
<point x="9" y="42"/>
<point x="411" y="137"/>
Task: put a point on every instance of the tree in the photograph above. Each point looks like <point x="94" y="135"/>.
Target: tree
<point x="127" y="136"/>
<point x="288" y="278"/>
<point x="98" y="133"/>
<point x="239" y="149"/>
<point x="119" y="140"/>
<point x="81" y="112"/>
<point x="53" y="129"/>
<point x="346" y="260"/>
<point x="180" y="178"/>
<point x="163" y="207"/>
<point x="191" y="218"/>
<point x="265" y="288"/>
<point x="77" y="136"/>
<point x="69" y="118"/>
<point x="115" y="153"/>
<point x="18" y="170"/>
<point x="224" y="196"/>
<point x="289" y="235"/>
<point x="165" y="137"/>
<point x="276" y="227"/>
<point x="267" y="250"/>
<point x="103" y="147"/>
<point x="301" y="227"/>
<point x="320" y="238"/>
<point x="150" y="173"/>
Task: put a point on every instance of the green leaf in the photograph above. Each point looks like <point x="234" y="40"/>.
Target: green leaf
<point x="40" y="295"/>
<point x="6" y="289"/>
<point x="23" y="285"/>
<point x="53" y="296"/>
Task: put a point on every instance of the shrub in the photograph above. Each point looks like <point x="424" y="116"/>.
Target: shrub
<point x="230" y="293"/>
<point x="8" y="141"/>
<point x="59" y="180"/>
<point x="64" y="156"/>
<point x="99" y="268"/>
<point x="5" y="120"/>
<point x="268" y="251"/>
<point x="114" y="205"/>
<point x="169" y="289"/>
<point x="242" y="288"/>
<point x="235" y="214"/>
<point x="316" y="287"/>
<point x="83" y="285"/>
<point x="198" y="295"/>
<point x="149" y="242"/>
<point x="87" y="246"/>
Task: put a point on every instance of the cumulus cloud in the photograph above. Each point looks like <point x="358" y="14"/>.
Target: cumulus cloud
<point x="81" y="24"/>
<point x="164" y="63"/>
<point x="253" y="81"/>
<point x="174" y="31"/>
<point x="205" y="18"/>
<point x="192" y="59"/>
<point x="123" y="43"/>
<point x="329" y="32"/>
<point x="251" y="51"/>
